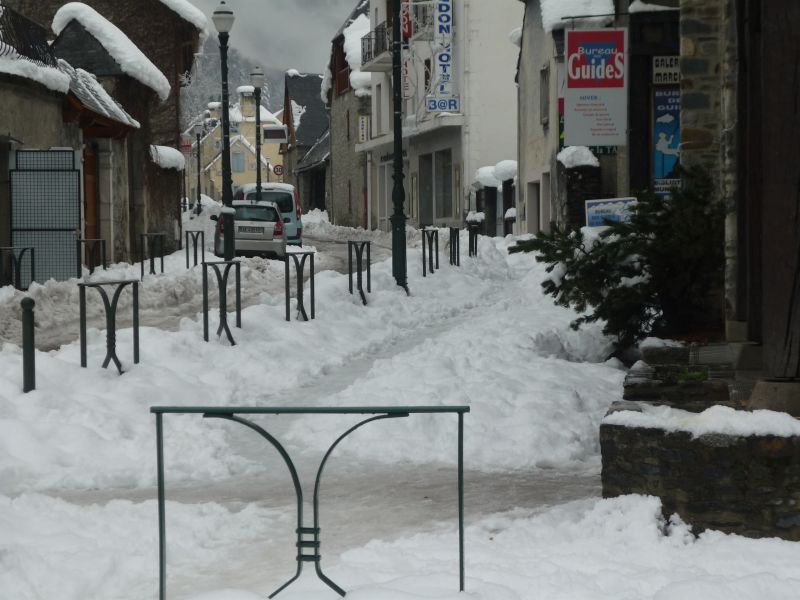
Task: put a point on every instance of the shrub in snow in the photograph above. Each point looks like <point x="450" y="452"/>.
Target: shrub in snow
<point x="652" y="275"/>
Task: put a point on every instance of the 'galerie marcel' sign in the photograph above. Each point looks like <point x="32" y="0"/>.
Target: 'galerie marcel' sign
<point x="443" y="97"/>
<point x="596" y="98"/>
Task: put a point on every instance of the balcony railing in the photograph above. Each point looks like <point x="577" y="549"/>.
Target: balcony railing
<point x="422" y="18"/>
<point x="22" y="38"/>
<point x="375" y="43"/>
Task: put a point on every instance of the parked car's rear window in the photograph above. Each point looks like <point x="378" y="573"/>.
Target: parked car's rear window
<point x="282" y="199"/>
<point x="254" y="212"/>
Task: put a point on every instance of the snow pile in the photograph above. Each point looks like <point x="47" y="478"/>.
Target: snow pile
<point x="505" y="170"/>
<point x="577" y="156"/>
<point x="168" y="158"/>
<point x="297" y="114"/>
<point x="189" y="12"/>
<point x="554" y="12"/>
<point x="515" y="37"/>
<point x="130" y="59"/>
<point x="361" y="82"/>
<point x="511" y="213"/>
<point x="245" y="90"/>
<point x="717" y="419"/>
<point x="654" y="342"/>
<point x="51" y="78"/>
<point x="293" y="73"/>
<point x="327" y="84"/>
<point x="237" y="116"/>
<point x="637" y="6"/>
<point x="475" y="217"/>
<point x="485" y="177"/>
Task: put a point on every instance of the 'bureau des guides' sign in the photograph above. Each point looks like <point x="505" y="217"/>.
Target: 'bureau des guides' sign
<point x="596" y="98"/>
<point x="444" y="92"/>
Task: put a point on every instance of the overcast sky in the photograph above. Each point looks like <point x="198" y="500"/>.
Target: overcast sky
<point x="287" y="34"/>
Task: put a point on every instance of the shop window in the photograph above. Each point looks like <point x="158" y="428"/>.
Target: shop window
<point x="237" y="162"/>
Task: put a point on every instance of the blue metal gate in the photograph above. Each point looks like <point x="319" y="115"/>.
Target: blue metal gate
<point x="46" y="211"/>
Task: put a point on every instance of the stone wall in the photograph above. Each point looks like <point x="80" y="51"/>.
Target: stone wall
<point x="744" y="485"/>
<point x="348" y="168"/>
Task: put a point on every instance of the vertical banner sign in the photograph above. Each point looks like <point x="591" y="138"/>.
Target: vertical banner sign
<point x="406" y="24"/>
<point x="596" y="97"/>
<point x="666" y="123"/>
<point x="444" y="97"/>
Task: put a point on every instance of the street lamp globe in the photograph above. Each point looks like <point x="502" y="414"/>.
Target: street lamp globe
<point x="223" y="18"/>
<point x="257" y="78"/>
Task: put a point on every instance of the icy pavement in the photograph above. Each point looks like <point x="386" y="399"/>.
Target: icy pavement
<point x="77" y="509"/>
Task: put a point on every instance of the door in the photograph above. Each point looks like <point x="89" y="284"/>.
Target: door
<point x="46" y="211"/>
<point x="91" y="219"/>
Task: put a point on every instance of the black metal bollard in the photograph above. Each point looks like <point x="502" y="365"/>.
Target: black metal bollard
<point x="430" y="238"/>
<point x="111" y="319"/>
<point x="91" y="257"/>
<point x="358" y="249"/>
<point x="197" y="237"/>
<point x="299" y="259"/>
<point x="222" y="286"/>
<point x="455" y="246"/>
<point x="16" y="255"/>
<point x="28" y="346"/>
<point x="473" y="228"/>
<point x="146" y="247"/>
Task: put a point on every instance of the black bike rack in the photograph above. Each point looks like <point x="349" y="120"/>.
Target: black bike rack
<point x="146" y="243"/>
<point x="17" y="254"/>
<point x="455" y="246"/>
<point x="195" y="238"/>
<point x="357" y="249"/>
<point x="111" y="319"/>
<point x="92" y="246"/>
<point x="299" y="259"/>
<point x="430" y="238"/>
<point x="222" y="285"/>
<point x="473" y="229"/>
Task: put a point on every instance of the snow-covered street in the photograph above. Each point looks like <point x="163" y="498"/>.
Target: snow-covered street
<point x="78" y="516"/>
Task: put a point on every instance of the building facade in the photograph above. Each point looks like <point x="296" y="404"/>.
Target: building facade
<point x="459" y="105"/>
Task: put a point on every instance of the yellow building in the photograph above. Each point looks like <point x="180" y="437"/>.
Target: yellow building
<point x="243" y="148"/>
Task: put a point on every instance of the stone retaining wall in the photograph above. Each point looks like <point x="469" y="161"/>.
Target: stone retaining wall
<point x="749" y="486"/>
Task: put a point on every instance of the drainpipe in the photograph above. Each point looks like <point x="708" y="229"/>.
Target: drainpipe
<point x="466" y="151"/>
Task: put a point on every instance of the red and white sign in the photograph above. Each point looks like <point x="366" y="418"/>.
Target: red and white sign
<point x="596" y="95"/>
<point x="278" y="170"/>
<point x="406" y="23"/>
<point x="186" y="144"/>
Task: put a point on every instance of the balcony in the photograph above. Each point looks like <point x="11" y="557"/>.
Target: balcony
<point x="376" y="49"/>
<point x="21" y="38"/>
<point x="422" y="18"/>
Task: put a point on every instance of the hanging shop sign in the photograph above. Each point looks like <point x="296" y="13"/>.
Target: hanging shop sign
<point x="363" y="128"/>
<point x="609" y="209"/>
<point x="406" y="23"/>
<point x="596" y="96"/>
<point x="443" y="97"/>
<point x="666" y="138"/>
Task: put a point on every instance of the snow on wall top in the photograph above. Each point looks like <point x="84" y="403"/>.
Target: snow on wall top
<point x="117" y="44"/>
<point x="577" y="156"/>
<point x="293" y="73"/>
<point x="49" y="77"/>
<point x="189" y="12"/>
<point x="359" y="81"/>
<point x="554" y="11"/>
<point x="168" y="158"/>
<point x="245" y="89"/>
<point x="637" y="6"/>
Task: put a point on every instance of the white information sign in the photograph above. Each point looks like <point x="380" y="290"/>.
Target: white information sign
<point x="443" y="97"/>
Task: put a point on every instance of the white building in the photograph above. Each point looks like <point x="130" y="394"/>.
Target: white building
<point x="474" y="122"/>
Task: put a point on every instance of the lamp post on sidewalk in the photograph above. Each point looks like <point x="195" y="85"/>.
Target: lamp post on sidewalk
<point x="398" y="192"/>
<point x="257" y="81"/>
<point x="198" y="133"/>
<point x="223" y="21"/>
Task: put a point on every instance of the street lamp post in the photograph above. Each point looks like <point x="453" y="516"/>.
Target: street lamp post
<point x="198" y="133"/>
<point x="398" y="192"/>
<point x="257" y="81"/>
<point x="223" y="21"/>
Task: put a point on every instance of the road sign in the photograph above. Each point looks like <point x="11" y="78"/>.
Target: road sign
<point x="278" y="170"/>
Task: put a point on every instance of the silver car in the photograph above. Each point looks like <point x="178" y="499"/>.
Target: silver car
<point x="258" y="230"/>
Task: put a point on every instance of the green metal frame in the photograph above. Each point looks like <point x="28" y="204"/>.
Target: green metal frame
<point x="230" y="413"/>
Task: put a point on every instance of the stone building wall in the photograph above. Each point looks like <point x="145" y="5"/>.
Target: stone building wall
<point x="348" y="168"/>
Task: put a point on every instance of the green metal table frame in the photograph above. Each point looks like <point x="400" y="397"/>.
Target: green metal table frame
<point x="230" y="413"/>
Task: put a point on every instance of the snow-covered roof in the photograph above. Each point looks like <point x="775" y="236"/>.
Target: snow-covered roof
<point x="168" y="158"/>
<point x="130" y="59"/>
<point x="554" y="12"/>
<point x="361" y="82"/>
<point x="245" y="89"/>
<point x="637" y="6"/>
<point x="577" y="156"/>
<point x="189" y="12"/>
<point x="236" y="116"/>
<point x="505" y="170"/>
<point x="49" y="77"/>
<point x="297" y="114"/>
<point x="93" y="96"/>
<point x="293" y="73"/>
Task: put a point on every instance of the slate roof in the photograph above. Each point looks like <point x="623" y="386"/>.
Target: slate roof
<point x="319" y="153"/>
<point x="305" y="89"/>
<point x="362" y="8"/>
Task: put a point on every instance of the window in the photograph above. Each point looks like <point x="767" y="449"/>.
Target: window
<point x="237" y="162"/>
<point x="544" y="95"/>
<point x="256" y="212"/>
<point x="379" y="109"/>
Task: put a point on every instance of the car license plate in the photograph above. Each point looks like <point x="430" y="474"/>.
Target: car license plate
<point x="251" y="230"/>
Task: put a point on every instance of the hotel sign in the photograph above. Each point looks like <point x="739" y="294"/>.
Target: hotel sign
<point x="443" y="97"/>
<point x="596" y="96"/>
